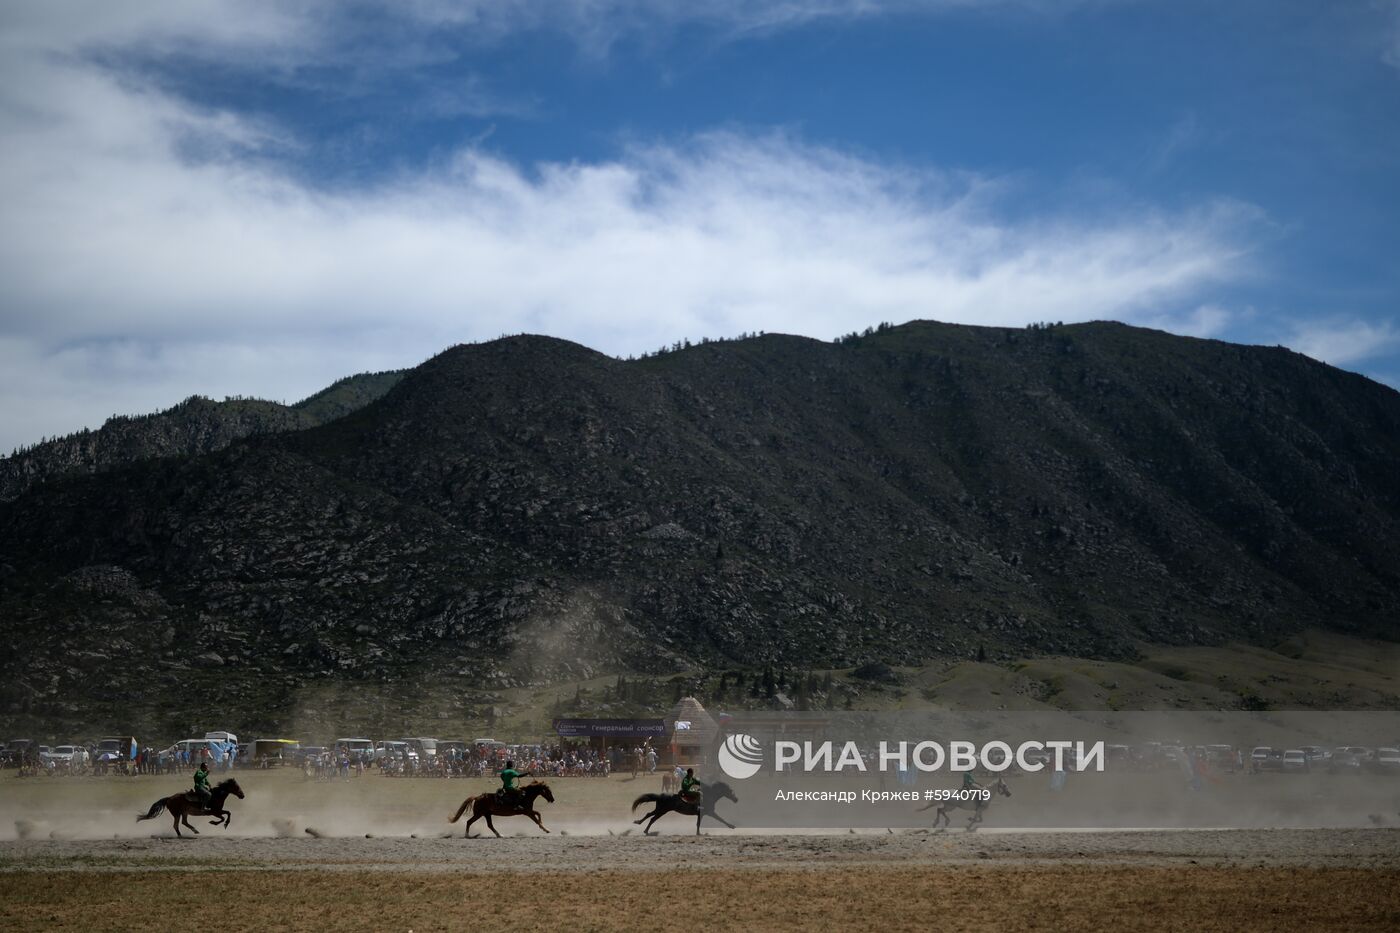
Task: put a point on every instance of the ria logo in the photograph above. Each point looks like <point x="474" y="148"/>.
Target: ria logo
<point x="740" y="756"/>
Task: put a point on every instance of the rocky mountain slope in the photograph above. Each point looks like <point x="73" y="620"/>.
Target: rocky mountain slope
<point x="195" y="426"/>
<point x="529" y="510"/>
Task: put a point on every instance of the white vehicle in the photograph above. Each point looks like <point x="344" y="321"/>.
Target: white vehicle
<point x="1295" y="759"/>
<point x="193" y="746"/>
<point x="354" y="746"/>
<point x="1387" y="759"/>
<point x="425" y="747"/>
<point x="222" y="737"/>
<point x="63" y="753"/>
<point x="395" y="750"/>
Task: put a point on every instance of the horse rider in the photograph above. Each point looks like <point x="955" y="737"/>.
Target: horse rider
<point x="201" y="786"/>
<point x="691" y="789"/>
<point x="969" y="783"/>
<point x="509" y="794"/>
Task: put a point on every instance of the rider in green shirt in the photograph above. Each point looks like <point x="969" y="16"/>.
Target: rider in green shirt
<point x="201" y="786"/>
<point x="691" y="788"/>
<point x="509" y="793"/>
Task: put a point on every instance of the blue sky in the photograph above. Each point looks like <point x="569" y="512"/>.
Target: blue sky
<point x="257" y="198"/>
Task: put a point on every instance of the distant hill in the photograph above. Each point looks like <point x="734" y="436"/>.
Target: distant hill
<point x="195" y="426"/>
<point x="528" y="511"/>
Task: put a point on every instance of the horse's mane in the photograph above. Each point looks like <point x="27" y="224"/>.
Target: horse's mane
<point x="228" y="782"/>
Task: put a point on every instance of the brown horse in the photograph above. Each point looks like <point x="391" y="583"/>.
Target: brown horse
<point x="181" y="807"/>
<point x="489" y="805"/>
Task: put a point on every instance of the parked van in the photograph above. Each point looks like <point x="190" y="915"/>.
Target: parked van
<point x="122" y="746"/>
<point x="354" y="746"/>
<point x="273" y="751"/>
<point x="425" y="747"/>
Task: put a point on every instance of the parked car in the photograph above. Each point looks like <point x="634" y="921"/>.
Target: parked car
<point x="308" y="752"/>
<point x="1317" y="755"/>
<point x="122" y="746"/>
<point x="1265" y="758"/>
<point x="1295" y="759"/>
<point x="65" y="753"/>
<point x="1342" y="761"/>
<point x="268" y="752"/>
<point x="355" y="747"/>
<point x="395" y="750"/>
<point x="1387" y="760"/>
<point x="17" y="749"/>
<point x="424" y="746"/>
<point x="1220" y="755"/>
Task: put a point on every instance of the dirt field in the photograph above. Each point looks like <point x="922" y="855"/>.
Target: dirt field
<point x="891" y="898"/>
<point x="298" y="857"/>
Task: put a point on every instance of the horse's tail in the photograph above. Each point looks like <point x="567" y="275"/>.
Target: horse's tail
<point x="154" y="812"/>
<point x="463" y="809"/>
<point x="645" y="798"/>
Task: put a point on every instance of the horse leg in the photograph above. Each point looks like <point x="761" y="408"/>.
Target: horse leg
<point x="536" y="817"/>
<point x="176" y="814"/>
<point x="645" y="816"/>
<point x="467" y="832"/>
<point x="492" y="826"/>
<point x="185" y="818"/>
<point x="714" y="815"/>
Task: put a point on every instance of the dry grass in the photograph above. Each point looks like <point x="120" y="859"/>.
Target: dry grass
<point x="997" y="897"/>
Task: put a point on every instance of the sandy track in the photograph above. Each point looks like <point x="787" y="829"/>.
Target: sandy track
<point x="1354" y="848"/>
<point x="1199" y="899"/>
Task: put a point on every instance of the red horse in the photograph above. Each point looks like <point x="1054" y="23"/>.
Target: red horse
<point x="182" y="807"/>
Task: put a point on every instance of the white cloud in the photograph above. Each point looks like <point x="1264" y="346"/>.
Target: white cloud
<point x="1390" y="32"/>
<point x="149" y="250"/>
<point x="1341" y="340"/>
<point x="1207" y="320"/>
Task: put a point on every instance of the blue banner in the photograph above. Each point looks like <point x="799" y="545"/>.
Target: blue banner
<point x="611" y="728"/>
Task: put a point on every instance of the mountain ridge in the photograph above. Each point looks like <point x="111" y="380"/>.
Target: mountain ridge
<point x="194" y="426"/>
<point x="529" y="511"/>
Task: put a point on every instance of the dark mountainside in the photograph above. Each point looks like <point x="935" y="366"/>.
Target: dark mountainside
<point x="528" y="510"/>
<point x="195" y="426"/>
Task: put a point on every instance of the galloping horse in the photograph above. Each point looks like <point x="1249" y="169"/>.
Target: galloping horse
<point x="669" y="803"/>
<point x="181" y="807"/>
<point x="489" y="805"/>
<point x="977" y="805"/>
